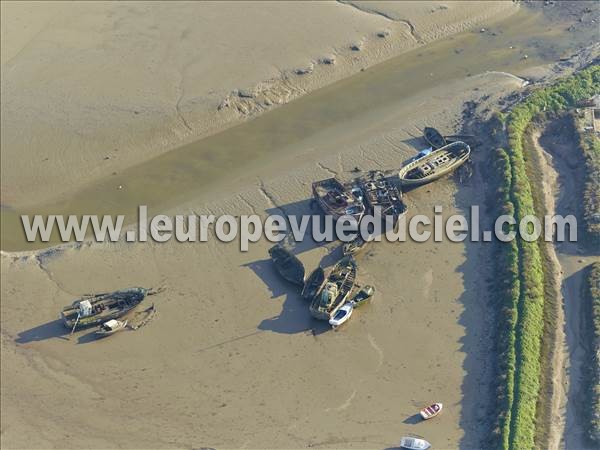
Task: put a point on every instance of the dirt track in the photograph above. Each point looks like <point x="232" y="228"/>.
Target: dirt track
<point x="562" y="172"/>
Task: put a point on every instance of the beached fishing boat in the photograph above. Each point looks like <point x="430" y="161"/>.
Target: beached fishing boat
<point x="431" y="411"/>
<point x="363" y="296"/>
<point x="110" y="327"/>
<point x="342" y="315"/>
<point x="337" y="199"/>
<point x="354" y="246"/>
<point x="313" y="283"/>
<point x="337" y="287"/>
<point x="435" y="165"/>
<point x="434" y="137"/>
<point x="414" y="443"/>
<point x="93" y="310"/>
<point x="288" y="266"/>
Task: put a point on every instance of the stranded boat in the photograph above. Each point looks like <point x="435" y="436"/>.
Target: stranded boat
<point x="337" y="287"/>
<point x="338" y="199"/>
<point x="435" y="165"/>
<point x="342" y="315"/>
<point x="110" y="327"/>
<point x="434" y="137"/>
<point x="431" y="411"/>
<point x="313" y="283"/>
<point x="354" y="246"/>
<point x="96" y="309"/>
<point x="288" y="266"/>
<point x="414" y="443"/>
<point x="363" y="296"/>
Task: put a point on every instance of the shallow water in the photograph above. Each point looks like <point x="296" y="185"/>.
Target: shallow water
<point x="194" y="169"/>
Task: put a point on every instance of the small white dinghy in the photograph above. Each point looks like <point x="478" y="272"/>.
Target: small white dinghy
<point x="414" y="443"/>
<point x="341" y="315"/>
<point x="111" y="327"/>
<point x="431" y="411"/>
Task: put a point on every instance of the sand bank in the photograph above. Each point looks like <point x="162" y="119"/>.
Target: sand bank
<point x="90" y="89"/>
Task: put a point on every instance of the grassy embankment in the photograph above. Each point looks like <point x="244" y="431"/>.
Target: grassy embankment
<point x="520" y="264"/>
<point x="592" y="295"/>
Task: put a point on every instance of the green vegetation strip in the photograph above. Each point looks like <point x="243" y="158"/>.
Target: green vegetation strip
<point x="523" y="272"/>
<point x="593" y="294"/>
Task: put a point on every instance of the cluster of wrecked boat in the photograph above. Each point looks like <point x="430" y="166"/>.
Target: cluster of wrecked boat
<point x="332" y="296"/>
<point x="359" y="197"/>
<point x="335" y="296"/>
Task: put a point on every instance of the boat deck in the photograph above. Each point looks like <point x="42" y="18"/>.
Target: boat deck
<point x="435" y="165"/>
<point x="380" y="192"/>
<point x="337" y="199"/>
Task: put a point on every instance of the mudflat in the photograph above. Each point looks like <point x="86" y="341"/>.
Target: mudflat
<point x="232" y="358"/>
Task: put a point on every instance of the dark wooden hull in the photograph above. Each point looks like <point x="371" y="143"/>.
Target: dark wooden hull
<point x="112" y="305"/>
<point x="287" y="265"/>
<point x="313" y="283"/>
<point x="434" y="137"/>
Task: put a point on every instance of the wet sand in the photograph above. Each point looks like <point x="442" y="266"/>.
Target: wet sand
<point x="232" y="358"/>
<point x="109" y="85"/>
<point x="213" y="167"/>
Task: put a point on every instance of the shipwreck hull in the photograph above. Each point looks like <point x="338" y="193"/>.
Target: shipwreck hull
<point x="112" y="305"/>
<point x="313" y="284"/>
<point x="343" y="275"/>
<point x="459" y="153"/>
<point x="434" y="137"/>
<point x="287" y="265"/>
<point x="337" y="199"/>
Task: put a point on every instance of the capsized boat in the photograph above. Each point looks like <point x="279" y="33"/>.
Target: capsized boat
<point x="313" y="283"/>
<point x="431" y="411"/>
<point x="337" y="287"/>
<point x="337" y="199"/>
<point x="435" y="165"/>
<point x="288" y="266"/>
<point x="414" y="443"/>
<point x="93" y="310"/>
<point x="342" y="315"/>
<point x="363" y="296"/>
<point x="434" y="137"/>
<point x="354" y="246"/>
<point x="111" y="327"/>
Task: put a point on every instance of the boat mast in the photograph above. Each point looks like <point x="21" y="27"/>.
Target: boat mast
<point x="76" y="322"/>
